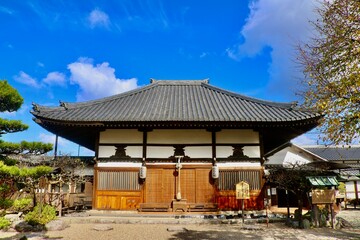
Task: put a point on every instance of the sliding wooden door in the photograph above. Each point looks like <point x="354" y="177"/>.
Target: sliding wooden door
<point x="161" y="185"/>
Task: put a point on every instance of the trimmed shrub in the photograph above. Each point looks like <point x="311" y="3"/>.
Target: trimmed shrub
<point x="22" y="204"/>
<point x="4" y="223"/>
<point x="41" y="215"/>
<point x="5" y="203"/>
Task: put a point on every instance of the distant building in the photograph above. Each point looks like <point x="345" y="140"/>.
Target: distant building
<point x="292" y="155"/>
<point x="349" y="155"/>
<point x="177" y="145"/>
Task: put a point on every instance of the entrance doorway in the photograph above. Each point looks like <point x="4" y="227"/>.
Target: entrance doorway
<point x="195" y="185"/>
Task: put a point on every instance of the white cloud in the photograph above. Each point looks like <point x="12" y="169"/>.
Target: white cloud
<point x="97" y="81"/>
<point x="98" y="18"/>
<point x="55" y="78"/>
<point x="26" y="79"/>
<point x="280" y="25"/>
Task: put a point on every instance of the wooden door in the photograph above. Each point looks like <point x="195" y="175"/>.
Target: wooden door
<point x="154" y="187"/>
<point x="161" y="185"/>
<point x="188" y="185"/>
<point x="168" y="185"/>
<point x="204" y="187"/>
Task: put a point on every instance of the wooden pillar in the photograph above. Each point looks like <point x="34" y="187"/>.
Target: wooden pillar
<point x="356" y="193"/>
<point x="213" y="145"/>
<point x="144" y="145"/>
<point x="56" y="146"/>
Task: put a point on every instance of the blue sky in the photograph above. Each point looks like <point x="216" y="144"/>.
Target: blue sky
<point x="75" y="51"/>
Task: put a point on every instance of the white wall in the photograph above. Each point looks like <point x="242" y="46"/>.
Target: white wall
<point x="121" y="136"/>
<point x="237" y="136"/>
<point x="226" y="151"/>
<point x="178" y="136"/>
<point x="132" y="151"/>
<point x="288" y="156"/>
<point x="350" y="189"/>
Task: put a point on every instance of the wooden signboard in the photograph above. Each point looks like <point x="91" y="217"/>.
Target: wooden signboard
<point x="42" y="182"/>
<point x="242" y="190"/>
<point x="322" y="196"/>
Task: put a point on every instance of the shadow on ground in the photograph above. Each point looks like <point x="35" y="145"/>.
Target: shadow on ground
<point x="320" y="233"/>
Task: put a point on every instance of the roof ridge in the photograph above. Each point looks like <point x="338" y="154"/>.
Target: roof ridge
<point x="179" y="81"/>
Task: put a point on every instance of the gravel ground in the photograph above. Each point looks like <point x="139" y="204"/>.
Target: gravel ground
<point x="86" y="231"/>
<point x="352" y="216"/>
<point x="192" y="231"/>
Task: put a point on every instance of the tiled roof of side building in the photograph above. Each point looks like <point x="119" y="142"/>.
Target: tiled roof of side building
<point x="336" y="153"/>
<point x="176" y="100"/>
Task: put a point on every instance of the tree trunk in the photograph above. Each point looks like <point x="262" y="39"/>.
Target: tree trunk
<point x="300" y="207"/>
<point x="34" y="195"/>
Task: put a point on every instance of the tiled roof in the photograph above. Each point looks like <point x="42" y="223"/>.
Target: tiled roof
<point x="176" y="101"/>
<point x="336" y="153"/>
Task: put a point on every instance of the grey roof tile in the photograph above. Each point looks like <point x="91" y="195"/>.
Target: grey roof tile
<point x="190" y="101"/>
<point x="336" y="153"/>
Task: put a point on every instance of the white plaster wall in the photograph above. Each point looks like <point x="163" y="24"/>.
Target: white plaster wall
<point x="121" y="136"/>
<point x="252" y="151"/>
<point x="198" y="152"/>
<point x="132" y="151"/>
<point x="278" y="158"/>
<point x="292" y="158"/>
<point x="226" y="151"/>
<point x="238" y="164"/>
<point x="159" y="152"/>
<point x="118" y="164"/>
<point x="288" y="156"/>
<point x="350" y="189"/>
<point x="237" y="136"/>
<point x="106" y="151"/>
<point x="179" y="136"/>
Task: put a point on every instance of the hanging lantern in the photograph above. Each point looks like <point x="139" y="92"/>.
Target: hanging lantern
<point x="215" y="172"/>
<point x="142" y="172"/>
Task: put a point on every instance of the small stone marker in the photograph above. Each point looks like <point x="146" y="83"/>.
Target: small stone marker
<point x="251" y="227"/>
<point x="176" y="229"/>
<point x="101" y="227"/>
<point x="56" y="225"/>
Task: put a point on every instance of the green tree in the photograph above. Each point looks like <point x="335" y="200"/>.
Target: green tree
<point x="331" y="63"/>
<point x="293" y="178"/>
<point x="11" y="176"/>
<point x="11" y="101"/>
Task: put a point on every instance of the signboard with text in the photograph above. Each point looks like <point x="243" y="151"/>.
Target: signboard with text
<point x="242" y="190"/>
<point x="322" y="196"/>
